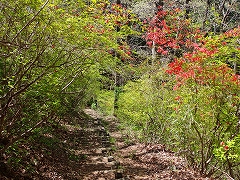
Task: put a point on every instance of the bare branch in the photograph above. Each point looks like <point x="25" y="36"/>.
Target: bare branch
<point x="74" y="77"/>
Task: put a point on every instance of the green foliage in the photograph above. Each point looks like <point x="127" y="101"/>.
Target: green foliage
<point x="56" y="56"/>
<point x="144" y="106"/>
<point x="105" y="102"/>
<point x="194" y="109"/>
<point x="229" y="150"/>
<point x="50" y="60"/>
<point x="192" y="120"/>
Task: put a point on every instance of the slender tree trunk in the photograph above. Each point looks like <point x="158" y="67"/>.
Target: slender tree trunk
<point x="116" y="86"/>
<point x="154" y="54"/>
<point x="206" y="14"/>
<point x="115" y="106"/>
<point x="235" y="67"/>
<point x="159" y="5"/>
<point x="187" y="9"/>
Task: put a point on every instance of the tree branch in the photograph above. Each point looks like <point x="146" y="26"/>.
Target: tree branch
<point x="30" y="21"/>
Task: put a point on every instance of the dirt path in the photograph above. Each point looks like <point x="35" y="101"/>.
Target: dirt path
<point x="138" y="161"/>
<point x="88" y="146"/>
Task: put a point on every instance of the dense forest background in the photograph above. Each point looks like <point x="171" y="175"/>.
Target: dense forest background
<point x="169" y="70"/>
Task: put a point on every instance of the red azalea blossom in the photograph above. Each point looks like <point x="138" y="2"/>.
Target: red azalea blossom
<point x="226" y="148"/>
<point x="177" y="98"/>
<point x="128" y="53"/>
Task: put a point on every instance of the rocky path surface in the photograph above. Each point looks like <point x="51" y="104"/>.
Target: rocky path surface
<point x="99" y="164"/>
<point x="138" y="161"/>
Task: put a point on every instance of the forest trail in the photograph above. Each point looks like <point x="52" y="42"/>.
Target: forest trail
<point x="137" y="161"/>
<point x="89" y="146"/>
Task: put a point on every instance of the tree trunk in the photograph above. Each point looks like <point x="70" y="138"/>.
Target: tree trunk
<point x="154" y="54"/>
<point x="159" y="3"/>
<point x="206" y="14"/>
<point x="187" y="9"/>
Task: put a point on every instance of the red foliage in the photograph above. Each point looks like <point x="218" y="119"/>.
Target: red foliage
<point x="226" y="148"/>
<point x="194" y="65"/>
<point x="170" y="31"/>
<point x="177" y="98"/>
<point x="222" y="143"/>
